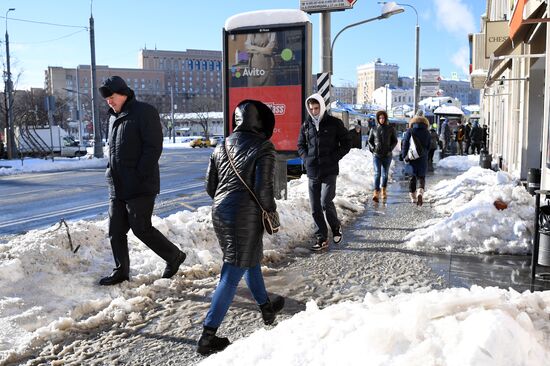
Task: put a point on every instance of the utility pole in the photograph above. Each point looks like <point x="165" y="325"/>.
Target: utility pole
<point x="98" y="143"/>
<point x="78" y="117"/>
<point x="12" y="151"/>
<point x="172" y="128"/>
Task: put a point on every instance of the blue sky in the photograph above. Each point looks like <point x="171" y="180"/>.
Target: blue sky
<point x="123" y="27"/>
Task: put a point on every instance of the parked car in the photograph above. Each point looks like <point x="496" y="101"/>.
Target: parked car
<point x="215" y="139"/>
<point x="200" y="142"/>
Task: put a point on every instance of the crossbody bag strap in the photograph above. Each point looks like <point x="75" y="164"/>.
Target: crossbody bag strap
<point x="239" y="176"/>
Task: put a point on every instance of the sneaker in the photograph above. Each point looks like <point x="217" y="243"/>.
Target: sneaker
<point x="337" y="235"/>
<point x="412" y="196"/>
<point x="321" y="244"/>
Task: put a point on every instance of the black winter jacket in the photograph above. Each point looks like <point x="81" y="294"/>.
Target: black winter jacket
<point x="382" y="140"/>
<point x="235" y="214"/>
<point x="322" y="150"/>
<point x="135" y="146"/>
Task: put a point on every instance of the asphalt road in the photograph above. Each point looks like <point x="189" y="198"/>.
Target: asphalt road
<point x="38" y="200"/>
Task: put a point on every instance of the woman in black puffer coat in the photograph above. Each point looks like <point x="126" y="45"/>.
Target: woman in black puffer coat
<point x="237" y="217"/>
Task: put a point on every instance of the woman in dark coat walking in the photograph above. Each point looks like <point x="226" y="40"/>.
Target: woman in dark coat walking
<point x="236" y="215"/>
<point x="418" y="127"/>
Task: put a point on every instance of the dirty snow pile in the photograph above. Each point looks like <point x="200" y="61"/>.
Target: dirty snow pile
<point x="471" y="222"/>
<point x="46" y="289"/>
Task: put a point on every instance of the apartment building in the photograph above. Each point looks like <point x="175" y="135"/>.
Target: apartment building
<point x="373" y="75"/>
<point x="184" y="77"/>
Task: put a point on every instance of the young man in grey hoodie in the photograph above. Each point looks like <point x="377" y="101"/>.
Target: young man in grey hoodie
<point x="322" y="142"/>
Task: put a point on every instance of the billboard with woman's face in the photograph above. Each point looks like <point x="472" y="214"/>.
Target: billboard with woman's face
<point x="269" y="64"/>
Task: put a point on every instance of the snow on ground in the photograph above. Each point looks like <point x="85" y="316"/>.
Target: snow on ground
<point x="454" y="327"/>
<point x="472" y="223"/>
<point x="46" y="289"/>
<point x="458" y="162"/>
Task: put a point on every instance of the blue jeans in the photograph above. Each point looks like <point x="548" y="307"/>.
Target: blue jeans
<point x="225" y="291"/>
<point x="381" y="164"/>
<point x="321" y="193"/>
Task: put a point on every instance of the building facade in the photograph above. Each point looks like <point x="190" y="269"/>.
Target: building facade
<point x="461" y="90"/>
<point x="373" y="75"/>
<point x="509" y="63"/>
<point x="185" y="79"/>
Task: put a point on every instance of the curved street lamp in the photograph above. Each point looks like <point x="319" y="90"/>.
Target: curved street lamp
<point x="390" y="8"/>
<point x="417" y="66"/>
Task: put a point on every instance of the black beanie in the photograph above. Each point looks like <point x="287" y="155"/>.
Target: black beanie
<point x="114" y="84"/>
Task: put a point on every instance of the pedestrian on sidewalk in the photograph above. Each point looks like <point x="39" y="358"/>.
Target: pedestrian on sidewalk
<point x="445" y="136"/>
<point x="135" y="146"/>
<point x="477" y="138"/>
<point x="355" y="137"/>
<point x="322" y="142"/>
<point x="382" y="141"/>
<point x="236" y="215"/>
<point x="419" y="129"/>
<point x="433" y="147"/>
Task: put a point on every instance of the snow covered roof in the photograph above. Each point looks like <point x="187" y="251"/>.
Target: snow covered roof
<point x="449" y="109"/>
<point x="265" y="17"/>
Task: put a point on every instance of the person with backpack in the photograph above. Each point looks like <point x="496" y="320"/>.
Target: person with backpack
<point x="418" y="160"/>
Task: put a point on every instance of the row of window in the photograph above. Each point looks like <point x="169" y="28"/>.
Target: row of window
<point x="190" y="65"/>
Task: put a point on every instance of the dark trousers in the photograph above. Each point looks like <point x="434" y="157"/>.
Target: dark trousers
<point x="321" y="193"/>
<point x="136" y="214"/>
<point x="414" y="179"/>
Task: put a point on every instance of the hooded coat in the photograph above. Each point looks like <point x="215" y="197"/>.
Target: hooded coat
<point x="235" y="214"/>
<point x="382" y="139"/>
<point x="418" y="128"/>
<point x="321" y="149"/>
<point x="135" y="146"/>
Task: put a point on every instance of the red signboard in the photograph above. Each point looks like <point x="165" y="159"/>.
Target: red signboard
<point x="282" y="101"/>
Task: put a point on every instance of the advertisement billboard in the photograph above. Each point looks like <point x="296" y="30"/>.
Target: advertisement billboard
<point x="269" y="64"/>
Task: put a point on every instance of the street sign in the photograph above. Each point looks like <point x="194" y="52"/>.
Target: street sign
<point x="317" y="6"/>
<point x="430" y="76"/>
<point x="429" y="89"/>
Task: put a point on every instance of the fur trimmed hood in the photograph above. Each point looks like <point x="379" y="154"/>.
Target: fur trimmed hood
<point x="419" y="119"/>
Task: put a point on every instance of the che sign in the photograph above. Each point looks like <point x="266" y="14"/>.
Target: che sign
<point x="317" y="6"/>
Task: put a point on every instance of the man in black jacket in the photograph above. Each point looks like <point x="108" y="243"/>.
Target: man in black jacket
<point x="135" y="146"/>
<point x="322" y="142"/>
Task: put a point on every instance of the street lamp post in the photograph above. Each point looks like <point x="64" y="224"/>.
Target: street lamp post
<point x="417" y="53"/>
<point x="390" y="8"/>
<point x="9" y="100"/>
<point x="98" y="143"/>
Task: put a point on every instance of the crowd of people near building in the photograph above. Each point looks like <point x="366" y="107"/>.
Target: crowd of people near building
<point x="466" y="138"/>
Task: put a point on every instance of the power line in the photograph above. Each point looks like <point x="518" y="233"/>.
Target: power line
<point x="52" y="40"/>
<point x="45" y="23"/>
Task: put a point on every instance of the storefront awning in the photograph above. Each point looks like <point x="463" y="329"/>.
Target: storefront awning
<point x="527" y="14"/>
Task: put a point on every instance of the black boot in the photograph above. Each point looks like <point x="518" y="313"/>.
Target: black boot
<point x="209" y="343"/>
<point x="271" y="308"/>
<point x="114" y="278"/>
